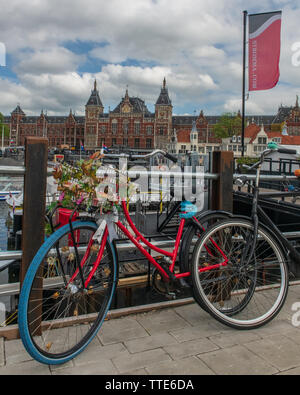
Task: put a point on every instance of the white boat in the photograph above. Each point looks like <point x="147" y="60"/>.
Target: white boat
<point x="6" y="192"/>
<point x="15" y="201"/>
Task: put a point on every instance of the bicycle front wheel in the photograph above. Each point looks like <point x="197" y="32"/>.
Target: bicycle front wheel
<point x="61" y="308"/>
<point x="238" y="288"/>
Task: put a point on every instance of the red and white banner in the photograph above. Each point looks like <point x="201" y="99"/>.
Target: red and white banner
<point x="264" y="50"/>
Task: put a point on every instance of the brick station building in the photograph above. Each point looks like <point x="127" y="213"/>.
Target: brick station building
<point x="132" y="126"/>
<point x="129" y="126"/>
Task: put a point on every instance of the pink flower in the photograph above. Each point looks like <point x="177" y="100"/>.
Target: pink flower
<point x="61" y="198"/>
<point x="79" y="201"/>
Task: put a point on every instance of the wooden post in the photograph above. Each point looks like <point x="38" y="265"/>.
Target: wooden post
<point x="34" y="207"/>
<point x="34" y="201"/>
<point x="222" y="189"/>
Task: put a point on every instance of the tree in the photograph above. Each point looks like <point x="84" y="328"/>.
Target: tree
<point x="229" y="125"/>
<point x="3" y="126"/>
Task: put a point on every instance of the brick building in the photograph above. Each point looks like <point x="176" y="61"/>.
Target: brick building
<point x="130" y="125"/>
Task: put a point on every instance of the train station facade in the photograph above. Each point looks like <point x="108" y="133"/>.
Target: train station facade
<point x="130" y="125"/>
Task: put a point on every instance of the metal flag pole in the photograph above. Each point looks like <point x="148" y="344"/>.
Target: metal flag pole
<point x="244" y="82"/>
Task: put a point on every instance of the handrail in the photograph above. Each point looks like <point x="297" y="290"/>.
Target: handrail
<point x="18" y="170"/>
<point x="12" y="170"/>
<point x="266" y="177"/>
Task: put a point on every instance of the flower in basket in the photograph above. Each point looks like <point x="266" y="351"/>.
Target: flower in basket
<point x="77" y="183"/>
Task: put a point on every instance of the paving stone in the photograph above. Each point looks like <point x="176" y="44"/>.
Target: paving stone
<point x="236" y="360"/>
<point x="140" y="360"/>
<point x="193" y="314"/>
<point x="293" y="334"/>
<point x="272" y="349"/>
<point x="274" y="327"/>
<point x="161" y="321"/>
<point x="277" y="350"/>
<point x="103" y="367"/>
<point x="2" y="358"/>
<point x="119" y="330"/>
<point x="15" y="352"/>
<point x="150" y="342"/>
<point x="189" y="348"/>
<point x="186" y="366"/>
<point x="290" y="372"/>
<point x="138" y="372"/>
<point x="224" y="340"/>
<point x="54" y="368"/>
<point x="99" y="353"/>
<point x="31" y="368"/>
<point x="204" y="329"/>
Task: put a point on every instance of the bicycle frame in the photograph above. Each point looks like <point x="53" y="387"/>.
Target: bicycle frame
<point x="257" y="212"/>
<point x="294" y="254"/>
<point x="167" y="273"/>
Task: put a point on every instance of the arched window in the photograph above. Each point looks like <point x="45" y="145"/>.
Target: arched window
<point x="114" y="126"/>
<point x="125" y="126"/>
<point x="137" y="128"/>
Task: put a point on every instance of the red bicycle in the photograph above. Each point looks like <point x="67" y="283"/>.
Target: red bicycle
<point x="69" y="286"/>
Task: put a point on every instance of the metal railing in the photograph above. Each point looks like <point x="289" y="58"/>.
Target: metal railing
<point x="221" y="185"/>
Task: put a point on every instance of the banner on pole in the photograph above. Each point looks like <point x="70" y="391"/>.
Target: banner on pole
<point x="264" y="50"/>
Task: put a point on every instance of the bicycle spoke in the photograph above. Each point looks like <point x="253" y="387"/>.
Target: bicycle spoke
<point x="61" y="314"/>
<point x="251" y="287"/>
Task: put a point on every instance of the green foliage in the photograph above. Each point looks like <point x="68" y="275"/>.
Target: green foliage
<point x="228" y="126"/>
<point x="48" y="229"/>
<point x="6" y="127"/>
<point x="246" y="160"/>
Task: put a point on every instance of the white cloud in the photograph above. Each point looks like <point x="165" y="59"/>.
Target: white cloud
<point x="55" y="61"/>
<point x="196" y="44"/>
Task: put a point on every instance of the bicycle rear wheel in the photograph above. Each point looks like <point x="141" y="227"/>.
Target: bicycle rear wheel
<point x="58" y="316"/>
<point x="240" y="290"/>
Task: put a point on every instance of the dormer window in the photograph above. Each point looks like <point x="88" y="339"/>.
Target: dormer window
<point x="262" y="140"/>
<point x="277" y="140"/>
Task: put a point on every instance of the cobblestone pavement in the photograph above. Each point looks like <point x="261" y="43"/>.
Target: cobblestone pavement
<point x="176" y="341"/>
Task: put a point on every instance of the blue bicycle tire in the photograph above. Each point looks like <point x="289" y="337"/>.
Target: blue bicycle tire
<point x="23" y="323"/>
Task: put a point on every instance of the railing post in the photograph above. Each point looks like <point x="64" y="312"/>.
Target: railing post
<point x="34" y="200"/>
<point x="222" y="189"/>
<point x="33" y="227"/>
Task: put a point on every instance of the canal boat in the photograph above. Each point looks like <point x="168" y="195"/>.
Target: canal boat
<point x="7" y="192"/>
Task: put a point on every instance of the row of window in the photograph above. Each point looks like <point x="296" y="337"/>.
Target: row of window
<point x="137" y="142"/>
<point x="125" y="129"/>
<point x="201" y="150"/>
<point x="235" y="148"/>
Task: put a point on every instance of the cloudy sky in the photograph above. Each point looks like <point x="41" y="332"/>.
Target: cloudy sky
<point x="56" y="48"/>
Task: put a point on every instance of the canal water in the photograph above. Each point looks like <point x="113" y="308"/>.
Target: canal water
<point x="9" y="274"/>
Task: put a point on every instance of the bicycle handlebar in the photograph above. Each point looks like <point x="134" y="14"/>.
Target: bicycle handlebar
<point x="287" y="151"/>
<point x="281" y="150"/>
